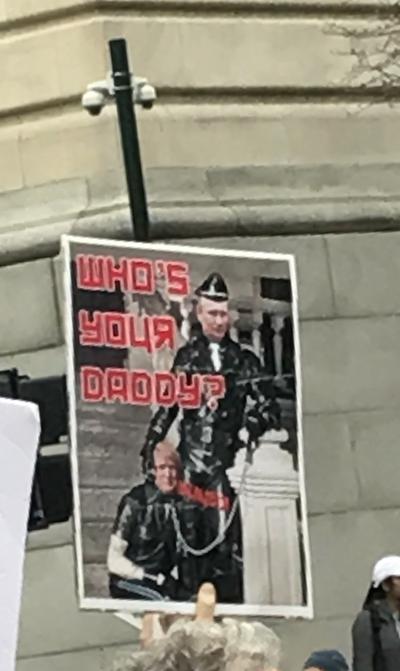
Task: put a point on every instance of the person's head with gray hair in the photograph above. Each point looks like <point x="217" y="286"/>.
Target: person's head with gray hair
<point x="251" y="646"/>
<point x="188" y="646"/>
<point x="204" y="646"/>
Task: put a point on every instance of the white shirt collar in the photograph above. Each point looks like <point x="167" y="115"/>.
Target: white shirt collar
<point x="215" y="355"/>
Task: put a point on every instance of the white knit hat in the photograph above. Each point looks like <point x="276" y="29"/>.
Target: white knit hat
<point x="385" y="568"/>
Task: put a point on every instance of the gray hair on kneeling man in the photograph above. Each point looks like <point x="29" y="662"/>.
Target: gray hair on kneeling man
<point x="209" y="646"/>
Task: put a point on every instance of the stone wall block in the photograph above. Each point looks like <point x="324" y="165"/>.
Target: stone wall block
<point x="350" y="364"/>
<point x="331" y="479"/>
<point x="375" y="443"/>
<point x="88" y="660"/>
<point x="365" y="274"/>
<point x="50" y="582"/>
<point x="28" y="308"/>
<point x="11" y="174"/>
<point x="37" y="363"/>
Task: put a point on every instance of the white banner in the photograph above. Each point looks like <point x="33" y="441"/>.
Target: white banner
<point x="19" y="436"/>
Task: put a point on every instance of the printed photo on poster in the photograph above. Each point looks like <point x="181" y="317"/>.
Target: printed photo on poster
<point x="186" y="437"/>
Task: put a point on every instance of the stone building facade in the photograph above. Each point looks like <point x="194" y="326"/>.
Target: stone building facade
<point x="256" y="143"/>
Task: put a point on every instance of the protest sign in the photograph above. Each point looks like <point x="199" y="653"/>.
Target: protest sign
<point x="185" y="401"/>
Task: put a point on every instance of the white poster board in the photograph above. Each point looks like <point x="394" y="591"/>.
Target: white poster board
<point x="186" y="428"/>
<point x="19" y="437"/>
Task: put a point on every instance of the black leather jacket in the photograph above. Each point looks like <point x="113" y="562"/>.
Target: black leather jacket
<point x="144" y="521"/>
<point x="209" y="438"/>
<point x="377" y="650"/>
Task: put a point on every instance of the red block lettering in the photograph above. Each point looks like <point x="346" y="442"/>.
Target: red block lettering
<point x="214" y="386"/>
<point x="116" y="385"/>
<point x="163" y="332"/>
<point x="140" y="339"/>
<point x="90" y="328"/>
<point x="142" y="278"/>
<point x="105" y="273"/>
<point x="140" y="387"/>
<point x="165" y="389"/>
<point x="91" y="384"/>
<point x="116" y="273"/>
<point x="89" y="272"/>
<point x="188" y="393"/>
<point x="115" y="329"/>
<point x="177" y="278"/>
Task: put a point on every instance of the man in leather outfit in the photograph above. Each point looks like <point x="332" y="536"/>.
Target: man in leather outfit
<point x="142" y="556"/>
<point x="209" y="435"/>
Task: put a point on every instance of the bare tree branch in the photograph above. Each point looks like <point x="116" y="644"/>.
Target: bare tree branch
<point x="375" y="49"/>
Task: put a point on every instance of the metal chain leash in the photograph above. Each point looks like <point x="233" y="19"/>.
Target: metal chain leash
<point x="222" y="533"/>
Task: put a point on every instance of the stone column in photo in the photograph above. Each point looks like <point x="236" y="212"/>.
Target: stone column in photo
<point x="271" y="539"/>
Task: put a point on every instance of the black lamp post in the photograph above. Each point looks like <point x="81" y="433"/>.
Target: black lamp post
<point x="122" y="85"/>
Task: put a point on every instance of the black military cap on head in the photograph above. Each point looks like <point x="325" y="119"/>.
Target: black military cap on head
<point x="214" y="288"/>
